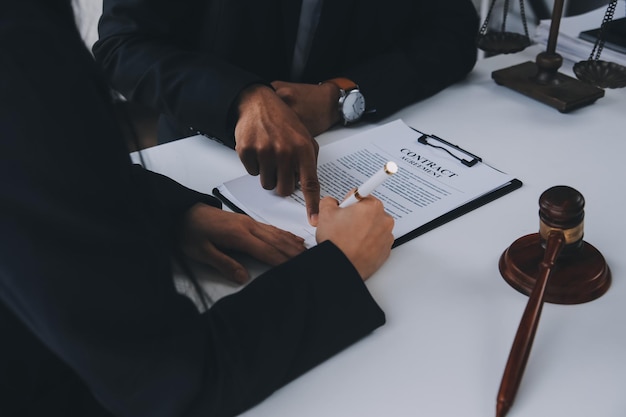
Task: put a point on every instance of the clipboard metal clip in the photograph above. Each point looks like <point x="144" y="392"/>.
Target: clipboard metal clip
<point x="455" y="151"/>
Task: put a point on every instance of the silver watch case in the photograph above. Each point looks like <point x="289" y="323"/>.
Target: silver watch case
<point x="351" y="105"/>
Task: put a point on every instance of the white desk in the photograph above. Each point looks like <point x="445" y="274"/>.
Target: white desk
<point x="451" y="318"/>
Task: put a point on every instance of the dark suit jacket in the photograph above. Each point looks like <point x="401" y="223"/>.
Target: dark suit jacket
<point x="190" y="58"/>
<point x="90" y="321"/>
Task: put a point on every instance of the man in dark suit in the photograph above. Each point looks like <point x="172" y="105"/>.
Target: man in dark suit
<point x="209" y="66"/>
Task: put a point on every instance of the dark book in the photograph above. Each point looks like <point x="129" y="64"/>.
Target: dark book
<point x="614" y="35"/>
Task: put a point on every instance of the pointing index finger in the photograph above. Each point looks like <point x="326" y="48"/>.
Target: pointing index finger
<point x="309" y="184"/>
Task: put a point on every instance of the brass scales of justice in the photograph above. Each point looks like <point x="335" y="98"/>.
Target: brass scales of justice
<point x="541" y="79"/>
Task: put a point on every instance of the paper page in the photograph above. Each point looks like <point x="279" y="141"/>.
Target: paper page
<point x="429" y="181"/>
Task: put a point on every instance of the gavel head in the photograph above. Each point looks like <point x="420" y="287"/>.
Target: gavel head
<point x="580" y="273"/>
<point x="561" y="208"/>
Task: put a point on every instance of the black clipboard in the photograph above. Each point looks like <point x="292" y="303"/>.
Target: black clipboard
<point x="459" y="211"/>
<point x="466" y="158"/>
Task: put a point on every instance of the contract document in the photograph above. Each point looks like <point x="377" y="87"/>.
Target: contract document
<point x="436" y="181"/>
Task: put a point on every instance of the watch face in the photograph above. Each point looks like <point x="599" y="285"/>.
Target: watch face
<point x="353" y="106"/>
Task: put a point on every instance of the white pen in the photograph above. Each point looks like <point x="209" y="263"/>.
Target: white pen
<point x="368" y="186"/>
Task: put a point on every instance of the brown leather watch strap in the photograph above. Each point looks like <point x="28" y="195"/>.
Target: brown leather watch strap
<point x="343" y="83"/>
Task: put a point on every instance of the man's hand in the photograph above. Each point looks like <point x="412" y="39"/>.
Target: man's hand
<point x="272" y="142"/>
<point x="315" y="105"/>
<point x="208" y="231"/>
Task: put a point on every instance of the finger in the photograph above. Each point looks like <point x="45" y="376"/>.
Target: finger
<point x="267" y="173"/>
<point x="327" y="206"/>
<point x="328" y="203"/>
<point x="286" y="178"/>
<point x="282" y="245"/>
<point x="230" y="268"/>
<point x="277" y="84"/>
<point x="349" y="193"/>
<point x="259" y="247"/>
<point x="287" y="95"/>
<point x="370" y="199"/>
<point x="310" y="186"/>
<point x="316" y="149"/>
<point x="248" y="158"/>
<point x="283" y="90"/>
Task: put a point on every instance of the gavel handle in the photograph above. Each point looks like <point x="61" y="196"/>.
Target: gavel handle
<point x="520" y="350"/>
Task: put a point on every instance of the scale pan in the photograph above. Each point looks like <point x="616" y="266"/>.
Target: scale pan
<point x="600" y="73"/>
<point x="503" y="42"/>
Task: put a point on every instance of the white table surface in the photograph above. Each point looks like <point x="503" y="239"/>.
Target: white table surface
<point x="451" y="318"/>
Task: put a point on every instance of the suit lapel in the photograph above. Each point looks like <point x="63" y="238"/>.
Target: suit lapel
<point x="291" y="17"/>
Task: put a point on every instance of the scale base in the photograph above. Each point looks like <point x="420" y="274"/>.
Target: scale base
<point x="561" y="92"/>
<point x="577" y="278"/>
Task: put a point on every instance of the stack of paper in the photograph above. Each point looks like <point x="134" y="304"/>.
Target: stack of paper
<point x="570" y="46"/>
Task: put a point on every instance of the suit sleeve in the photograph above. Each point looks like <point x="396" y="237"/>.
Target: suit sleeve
<point x="139" y="50"/>
<point x="298" y="315"/>
<point x="86" y="249"/>
<point x="433" y="50"/>
<point x="172" y="198"/>
<point x="399" y="52"/>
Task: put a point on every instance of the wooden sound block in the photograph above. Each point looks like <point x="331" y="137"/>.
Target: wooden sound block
<point x="576" y="278"/>
<point x="564" y="93"/>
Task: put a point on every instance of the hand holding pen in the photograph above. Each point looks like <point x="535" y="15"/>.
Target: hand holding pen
<point x="364" y="231"/>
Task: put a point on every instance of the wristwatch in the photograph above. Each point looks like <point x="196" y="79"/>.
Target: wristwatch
<point x="351" y="101"/>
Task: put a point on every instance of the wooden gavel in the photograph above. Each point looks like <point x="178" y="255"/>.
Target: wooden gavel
<point x="555" y="265"/>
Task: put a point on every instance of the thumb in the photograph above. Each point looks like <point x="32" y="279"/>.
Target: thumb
<point x="328" y="205"/>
